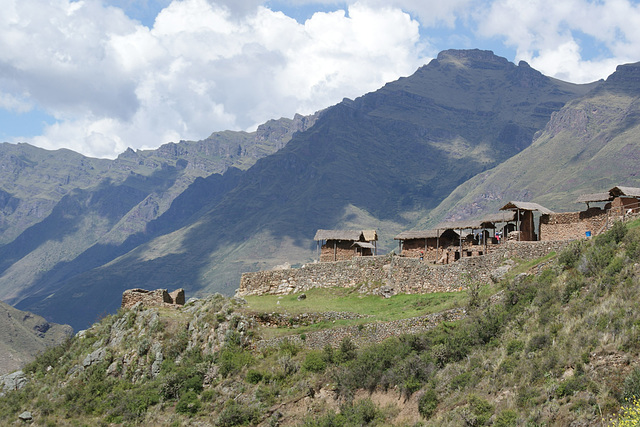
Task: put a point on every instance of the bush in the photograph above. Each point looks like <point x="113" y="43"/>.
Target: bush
<point x="347" y="350"/>
<point x="188" y="403"/>
<point x="570" y="256"/>
<point x="631" y="385"/>
<point x="427" y="403"/>
<point x="538" y="342"/>
<point x="234" y="414"/>
<point x="253" y="376"/>
<point x="314" y="362"/>
<point x="232" y="359"/>
<point x="507" y="418"/>
<point x="514" y="346"/>
<point x="481" y="410"/>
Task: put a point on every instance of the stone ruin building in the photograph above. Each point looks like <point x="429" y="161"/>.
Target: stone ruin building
<point x="450" y="241"/>
<point x="159" y="297"/>
<point x="341" y="245"/>
<point x="619" y="203"/>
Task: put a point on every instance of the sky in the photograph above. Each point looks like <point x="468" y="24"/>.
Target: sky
<point x="99" y="76"/>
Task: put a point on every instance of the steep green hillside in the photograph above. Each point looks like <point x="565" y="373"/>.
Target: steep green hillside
<point x="24" y="335"/>
<point x="379" y="161"/>
<point x="556" y="346"/>
<point x="590" y="145"/>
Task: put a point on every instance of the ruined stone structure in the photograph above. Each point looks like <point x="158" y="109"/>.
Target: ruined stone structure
<point x="431" y="245"/>
<point x="342" y="245"/>
<point x="573" y="225"/>
<point x="159" y="297"/>
<point x="390" y="275"/>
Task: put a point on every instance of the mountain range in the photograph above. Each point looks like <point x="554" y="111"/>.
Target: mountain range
<point x="462" y="134"/>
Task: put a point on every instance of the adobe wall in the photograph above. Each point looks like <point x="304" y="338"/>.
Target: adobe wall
<point x="159" y="297"/>
<point x="572" y="225"/>
<point x="395" y="274"/>
<point x="343" y="251"/>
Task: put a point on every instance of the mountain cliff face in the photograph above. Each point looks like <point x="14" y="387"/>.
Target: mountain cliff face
<point x="380" y="161"/>
<point x="592" y="144"/>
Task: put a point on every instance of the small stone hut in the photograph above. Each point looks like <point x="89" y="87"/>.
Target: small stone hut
<point x="159" y="297"/>
<point x="525" y="226"/>
<point x="624" y="200"/>
<point x="428" y="243"/>
<point x="340" y="245"/>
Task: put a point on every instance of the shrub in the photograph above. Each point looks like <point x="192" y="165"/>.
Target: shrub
<point x="573" y="285"/>
<point x="427" y="403"/>
<point x="507" y="418"/>
<point x="514" y="346"/>
<point x="481" y="410"/>
<point x="253" y="376"/>
<point x="347" y="350"/>
<point x="289" y="347"/>
<point x="572" y="385"/>
<point x="232" y="359"/>
<point x="538" y="342"/>
<point x="234" y="414"/>
<point x="188" y="403"/>
<point x="314" y="362"/>
<point x="570" y="256"/>
<point x="631" y="385"/>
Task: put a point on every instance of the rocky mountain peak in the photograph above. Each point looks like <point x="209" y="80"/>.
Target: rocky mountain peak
<point x="474" y="58"/>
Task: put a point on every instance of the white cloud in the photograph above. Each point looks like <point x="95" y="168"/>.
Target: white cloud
<point x="549" y="34"/>
<point x="111" y="83"/>
<point x="207" y="65"/>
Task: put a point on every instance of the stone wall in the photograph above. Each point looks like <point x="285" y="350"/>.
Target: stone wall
<point x="159" y="297"/>
<point x="572" y="225"/>
<point x="366" y="334"/>
<point x="340" y="252"/>
<point x="391" y="274"/>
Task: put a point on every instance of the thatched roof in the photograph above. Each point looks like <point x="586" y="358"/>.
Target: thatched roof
<point x="419" y="234"/>
<point x="594" y="197"/>
<point x="338" y="235"/>
<point x="526" y="206"/>
<point x="459" y="225"/>
<point x="498" y="217"/>
<point x="625" y="191"/>
<point x="370" y="235"/>
<point x="365" y="245"/>
<point x="349" y="235"/>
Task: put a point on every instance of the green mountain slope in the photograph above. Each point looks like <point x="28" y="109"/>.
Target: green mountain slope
<point x="379" y="161"/>
<point x="24" y="335"/>
<point x="590" y="145"/>
<point x="556" y="345"/>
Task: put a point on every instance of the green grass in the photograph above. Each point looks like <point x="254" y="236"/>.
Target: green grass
<point x="377" y="309"/>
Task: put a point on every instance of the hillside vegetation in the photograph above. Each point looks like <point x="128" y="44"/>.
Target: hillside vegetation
<point x="555" y="346"/>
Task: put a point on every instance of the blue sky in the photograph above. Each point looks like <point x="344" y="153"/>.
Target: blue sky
<point x="98" y="76"/>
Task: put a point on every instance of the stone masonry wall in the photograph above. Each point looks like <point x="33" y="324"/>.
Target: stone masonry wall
<point x="362" y="335"/>
<point x="572" y="225"/>
<point x="159" y="297"/>
<point x="390" y="274"/>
